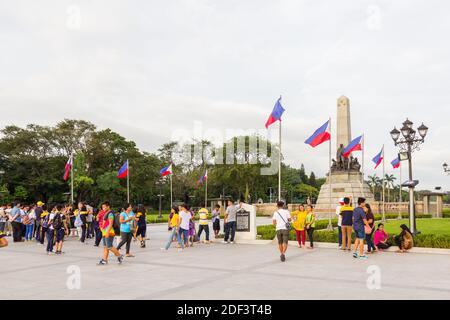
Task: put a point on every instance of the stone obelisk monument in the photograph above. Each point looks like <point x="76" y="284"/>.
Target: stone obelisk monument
<point x="346" y="176"/>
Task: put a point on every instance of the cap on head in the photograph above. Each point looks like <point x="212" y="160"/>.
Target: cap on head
<point x="40" y="203"/>
<point x="341" y="201"/>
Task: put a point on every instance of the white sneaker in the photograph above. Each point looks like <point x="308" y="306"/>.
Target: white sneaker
<point x="224" y="242"/>
<point x="232" y="242"/>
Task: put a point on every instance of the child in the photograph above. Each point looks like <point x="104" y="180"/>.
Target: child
<point x="216" y="220"/>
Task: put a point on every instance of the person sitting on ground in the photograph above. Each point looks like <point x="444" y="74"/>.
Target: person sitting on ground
<point x="405" y="240"/>
<point x="381" y="238"/>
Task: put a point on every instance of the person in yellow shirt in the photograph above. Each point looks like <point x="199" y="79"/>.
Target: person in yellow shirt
<point x="173" y="228"/>
<point x="299" y="217"/>
<point x="203" y="224"/>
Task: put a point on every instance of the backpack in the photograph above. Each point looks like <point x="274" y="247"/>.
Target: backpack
<point x="57" y="222"/>
<point x="45" y="223"/>
<point x="116" y="223"/>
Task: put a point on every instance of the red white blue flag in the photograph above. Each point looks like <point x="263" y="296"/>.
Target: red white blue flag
<point x="276" y="114"/>
<point x="320" y="136"/>
<point x="355" y="145"/>
<point x="378" y="158"/>
<point x="68" y="168"/>
<point x="396" y="163"/>
<point x="203" y="178"/>
<point x="166" y="171"/>
<point x="123" y="172"/>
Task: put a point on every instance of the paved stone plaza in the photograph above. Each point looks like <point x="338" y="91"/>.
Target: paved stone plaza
<point x="218" y="271"/>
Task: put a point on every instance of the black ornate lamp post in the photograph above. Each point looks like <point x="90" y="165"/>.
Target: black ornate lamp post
<point x="446" y="169"/>
<point x="408" y="142"/>
<point x="160" y="184"/>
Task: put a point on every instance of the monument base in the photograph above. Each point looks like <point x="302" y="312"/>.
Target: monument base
<point x="343" y="184"/>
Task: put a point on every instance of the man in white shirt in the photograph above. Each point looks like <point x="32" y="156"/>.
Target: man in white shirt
<point x="281" y="219"/>
<point x="338" y="213"/>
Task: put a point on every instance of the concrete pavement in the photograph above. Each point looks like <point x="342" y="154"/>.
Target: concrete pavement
<point x="219" y="271"/>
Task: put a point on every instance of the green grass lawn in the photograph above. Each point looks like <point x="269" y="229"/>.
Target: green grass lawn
<point x="425" y="226"/>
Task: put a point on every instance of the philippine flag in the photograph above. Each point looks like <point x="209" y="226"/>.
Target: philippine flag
<point x="355" y="145"/>
<point x="203" y="178"/>
<point x="378" y="158"/>
<point x="123" y="172"/>
<point x="68" y="168"/>
<point x="320" y="136"/>
<point x="396" y="163"/>
<point x="166" y="171"/>
<point x="276" y="114"/>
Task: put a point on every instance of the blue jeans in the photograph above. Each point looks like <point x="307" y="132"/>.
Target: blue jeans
<point x="185" y="234"/>
<point x="50" y="235"/>
<point x="340" y="236"/>
<point x="29" y="231"/>
<point x="230" y="231"/>
<point x="173" y="233"/>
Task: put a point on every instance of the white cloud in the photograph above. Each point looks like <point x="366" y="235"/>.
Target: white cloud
<point x="144" y="68"/>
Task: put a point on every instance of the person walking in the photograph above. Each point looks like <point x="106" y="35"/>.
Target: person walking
<point x="203" y="224"/>
<point x="347" y="225"/>
<point x="3" y="220"/>
<point x="50" y="231"/>
<point x="89" y="221"/>
<point x="98" y="220"/>
<point x="44" y="224"/>
<point x="183" y="225"/>
<point x="216" y="221"/>
<point x="299" y="217"/>
<point x="281" y="220"/>
<point x="338" y="213"/>
<point x="192" y="231"/>
<point x="81" y="221"/>
<point x="141" y="221"/>
<point x="126" y="219"/>
<point x="359" y="226"/>
<point x="107" y="227"/>
<point x="173" y="229"/>
<point x="230" y="222"/>
<point x="310" y="225"/>
<point x="60" y="227"/>
<point x="371" y="221"/>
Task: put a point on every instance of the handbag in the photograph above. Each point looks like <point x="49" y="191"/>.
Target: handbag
<point x="288" y="224"/>
<point x="367" y="230"/>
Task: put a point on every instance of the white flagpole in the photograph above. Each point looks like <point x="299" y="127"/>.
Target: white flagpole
<point x="279" y="167"/>
<point x="71" y="179"/>
<point x="330" y="225"/>
<point x="384" y="186"/>
<point x="400" y="195"/>
<point x="206" y="191"/>
<point x="363" y="162"/>
<point x="171" y="192"/>
<point x="128" y="182"/>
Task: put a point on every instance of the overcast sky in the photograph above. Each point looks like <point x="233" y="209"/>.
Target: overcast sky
<point x="147" y="68"/>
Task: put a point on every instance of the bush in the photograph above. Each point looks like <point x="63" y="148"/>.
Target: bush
<point x="266" y="232"/>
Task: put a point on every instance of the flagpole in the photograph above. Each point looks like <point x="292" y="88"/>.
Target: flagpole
<point x="71" y="179"/>
<point x="400" y="195"/>
<point x="330" y="225"/>
<point x="279" y="166"/>
<point x="363" y="162"/>
<point x="384" y="186"/>
<point x="171" y="193"/>
<point x="128" y="182"/>
<point x="206" y="191"/>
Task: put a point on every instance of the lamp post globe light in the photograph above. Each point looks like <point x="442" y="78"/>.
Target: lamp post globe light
<point x="446" y="169"/>
<point x="409" y="141"/>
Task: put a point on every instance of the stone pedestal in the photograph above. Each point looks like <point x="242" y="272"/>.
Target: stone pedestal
<point x="343" y="184"/>
<point x="246" y="220"/>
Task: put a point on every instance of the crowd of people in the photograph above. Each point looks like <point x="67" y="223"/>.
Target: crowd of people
<point x="359" y="221"/>
<point x="52" y="223"/>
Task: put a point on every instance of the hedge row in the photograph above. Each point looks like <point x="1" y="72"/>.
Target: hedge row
<point x="422" y="240"/>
